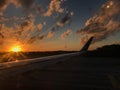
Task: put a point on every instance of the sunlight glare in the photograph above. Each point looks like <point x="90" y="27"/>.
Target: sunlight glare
<point x="16" y="49"/>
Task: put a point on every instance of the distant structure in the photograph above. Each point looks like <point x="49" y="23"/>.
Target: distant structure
<point x="86" y="46"/>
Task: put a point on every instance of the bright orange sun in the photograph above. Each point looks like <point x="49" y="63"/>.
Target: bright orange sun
<point x="16" y="49"/>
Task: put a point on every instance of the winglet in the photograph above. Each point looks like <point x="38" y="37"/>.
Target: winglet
<point x="86" y="46"/>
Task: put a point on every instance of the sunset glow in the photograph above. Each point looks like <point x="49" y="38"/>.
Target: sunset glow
<point x="53" y="25"/>
<point x="16" y="49"/>
<point x="108" y="6"/>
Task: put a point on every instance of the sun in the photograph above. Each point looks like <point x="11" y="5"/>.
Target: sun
<point x="108" y="6"/>
<point x="16" y="49"/>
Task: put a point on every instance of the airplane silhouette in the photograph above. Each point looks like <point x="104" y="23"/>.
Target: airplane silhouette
<point x="54" y="58"/>
<point x="86" y="46"/>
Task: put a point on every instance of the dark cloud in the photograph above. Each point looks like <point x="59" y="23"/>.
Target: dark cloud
<point x="53" y="29"/>
<point x="24" y="24"/>
<point x="26" y="3"/>
<point x="63" y="20"/>
<point x="35" y="38"/>
<point x="66" y="19"/>
<point x="1" y="35"/>
<point x="3" y="5"/>
<point x="32" y="39"/>
<point x="41" y="37"/>
<point x="39" y="10"/>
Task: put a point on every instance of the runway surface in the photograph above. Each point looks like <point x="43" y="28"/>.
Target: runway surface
<point x="63" y="73"/>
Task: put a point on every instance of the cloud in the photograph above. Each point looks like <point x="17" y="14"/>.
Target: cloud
<point x="39" y="9"/>
<point x="18" y="3"/>
<point x="39" y="26"/>
<point x="38" y="37"/>
<point x="50" y="34"/>
<point x="3" y="6"/>
<point x="6" y="33"/>
<point x="35" y="38"/>
<point x="15" y="2"/>
<point x="104" y="23"/>
<point x="24" y="31"/>
<point x="66" y="34"/>
<point x="54" y="6"/>
<point x="41" y="37"/>
<point x="26" y="3"/>
<point x="2" y="32"/>
<point x="3" y="19"/>
<point x="32" y="40"/>
<point x="65" y="20"/>
<point x="26" y="25"/>
<point x="84" y="39"/>
<point x="31" y="6"/>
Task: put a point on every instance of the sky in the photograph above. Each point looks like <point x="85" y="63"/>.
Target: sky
<point x="51" y="25"/>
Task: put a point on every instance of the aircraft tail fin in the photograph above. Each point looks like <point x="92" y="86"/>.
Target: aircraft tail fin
<point x="87" y="44"/>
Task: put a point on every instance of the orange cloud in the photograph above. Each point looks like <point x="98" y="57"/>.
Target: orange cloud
<point x="54" y="6"/>
<point x="39" y="26"/>
<point x="104" y="23"/>
<point x="66" y="34"/>
<point x="50" y="34"/>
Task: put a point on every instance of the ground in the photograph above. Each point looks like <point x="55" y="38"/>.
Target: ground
<point x="76" y="73"/>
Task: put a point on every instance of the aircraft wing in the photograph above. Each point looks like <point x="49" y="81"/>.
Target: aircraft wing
<point x="47" y="73"/>
<point x="29" y="64"/>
